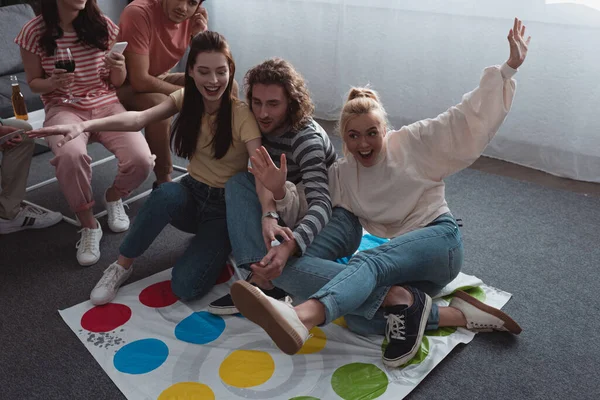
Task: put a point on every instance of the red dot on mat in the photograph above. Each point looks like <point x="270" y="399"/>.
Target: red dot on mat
<point x="226" y="274"/>
<point x="158" y="295"/>
<point x="105" y="318"/>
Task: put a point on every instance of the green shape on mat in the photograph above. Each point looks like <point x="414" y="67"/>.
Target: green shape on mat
<point x="445" y="331"/>
<point x="359" y="381"/>
<point x="419" y="357"/>
<point x="474" y="291"/>
<point x="304" y="398"/>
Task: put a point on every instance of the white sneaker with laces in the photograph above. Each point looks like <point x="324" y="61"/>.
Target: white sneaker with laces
<point x="278" y="318"/>
<point x="30" y="217"/>
<point x="481" y="317"/>
<point x="88" y="247"/>
<point x="118" y="221"/>
<point x="106" y="288"/>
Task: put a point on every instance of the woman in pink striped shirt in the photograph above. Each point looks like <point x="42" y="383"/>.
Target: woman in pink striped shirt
<point x="80" y="26"/>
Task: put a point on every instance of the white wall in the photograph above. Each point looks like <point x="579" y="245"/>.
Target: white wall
<point x="112" y="8"/>
<point x="422" y="56"/>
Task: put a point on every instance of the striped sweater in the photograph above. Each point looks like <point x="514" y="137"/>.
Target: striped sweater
<point x="309" y="153"/>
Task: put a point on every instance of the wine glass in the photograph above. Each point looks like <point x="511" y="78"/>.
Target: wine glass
<point x="63" y="59"/>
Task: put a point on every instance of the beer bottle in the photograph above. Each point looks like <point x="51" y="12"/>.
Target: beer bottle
<point x="18" y="101"/>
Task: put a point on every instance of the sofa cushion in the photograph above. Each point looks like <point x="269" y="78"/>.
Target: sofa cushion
<point x="12" y="19"/>
<point x="32" y="101"/>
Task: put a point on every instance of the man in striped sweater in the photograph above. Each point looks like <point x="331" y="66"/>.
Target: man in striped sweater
<point x="280" y="101"/>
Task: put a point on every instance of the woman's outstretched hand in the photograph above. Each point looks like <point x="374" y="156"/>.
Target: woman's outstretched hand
<point x="69" y="132"/>
<point x="518" y="45"/>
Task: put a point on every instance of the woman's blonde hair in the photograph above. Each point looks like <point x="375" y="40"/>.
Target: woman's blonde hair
<point x="360" y="100"/>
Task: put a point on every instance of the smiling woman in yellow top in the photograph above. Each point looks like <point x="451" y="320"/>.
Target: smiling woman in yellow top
<point x="216" y="132"/>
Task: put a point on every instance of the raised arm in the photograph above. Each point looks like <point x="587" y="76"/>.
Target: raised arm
<point x="456" y="138"/>
<point x="129" y="121"/>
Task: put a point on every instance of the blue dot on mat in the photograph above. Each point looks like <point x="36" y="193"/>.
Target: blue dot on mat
<point x="141" y="356"/>
<point x="200" y="328"/>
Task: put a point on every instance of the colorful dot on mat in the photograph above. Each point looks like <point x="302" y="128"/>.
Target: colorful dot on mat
<point x="105" y="318"/>
<point x="226" y="274"/>
<point x="419" y="357"/>
<point x="316" y="343"/>
<point x="474" y="291"/>
<point x="445" y="331"/>
<point x="158" y="295"/>
<point x="359" y="381"/>
<point x="247" y="368"/>
<point x="141" y="356"/>
<point x="304" y="398"/>
<point x="200" y="328"/>
<point x="187" y="391"/>
<point x="341" y="321"/>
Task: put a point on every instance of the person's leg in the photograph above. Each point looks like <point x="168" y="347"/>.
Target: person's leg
<point x="74" y="175"/>
<point x="197" y="270"/>
<point x="244" y="214"/>
<point x="134" y="164"/>
<point x="157" y="133"/>
<point x="15" y="170"/>
<point x="432" y="254"/>
<point x="170" y="203"/>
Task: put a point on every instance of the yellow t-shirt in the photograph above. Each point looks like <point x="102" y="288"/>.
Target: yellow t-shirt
<point x="203" y="166"/>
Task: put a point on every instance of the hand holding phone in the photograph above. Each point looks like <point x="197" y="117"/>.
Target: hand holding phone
<point x="9" y="136"/>
<point x="118" y="47"/>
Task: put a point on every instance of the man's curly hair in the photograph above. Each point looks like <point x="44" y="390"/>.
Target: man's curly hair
<point x="280" y="72"/>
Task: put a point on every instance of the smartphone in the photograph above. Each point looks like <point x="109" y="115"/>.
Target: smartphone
<point x="118" y="47"/>
<point x="6" y="138"/>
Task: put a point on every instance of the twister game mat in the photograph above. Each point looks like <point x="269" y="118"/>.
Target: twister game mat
<point x="155" y="347"/>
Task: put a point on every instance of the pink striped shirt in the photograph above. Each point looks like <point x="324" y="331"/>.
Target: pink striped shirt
<point x="92" y="78"/>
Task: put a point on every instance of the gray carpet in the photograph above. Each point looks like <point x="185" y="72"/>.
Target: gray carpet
<point x="539" y="244"/>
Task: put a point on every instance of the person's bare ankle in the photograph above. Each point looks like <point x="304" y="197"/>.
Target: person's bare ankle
<point x="397" y="295"/>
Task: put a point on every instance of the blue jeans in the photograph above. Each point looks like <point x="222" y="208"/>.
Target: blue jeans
<point x="193" y="207"/>
<point x="340" y="237"/>
<point x="428" y="258"/>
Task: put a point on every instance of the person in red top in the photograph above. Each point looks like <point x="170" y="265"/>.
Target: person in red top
<point x="158" y="33"/>
<point x="80" y="27"/>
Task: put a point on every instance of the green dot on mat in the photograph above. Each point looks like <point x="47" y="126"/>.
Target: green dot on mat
<point x="304" y="398"/>
<point x="359" y="381"/>
<point x="445" y="331"/>
<point x="474" y="291"/>
<point x="419" y="357"/>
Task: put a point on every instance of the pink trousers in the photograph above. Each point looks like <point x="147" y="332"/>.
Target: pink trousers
<point x="72" y="161"/>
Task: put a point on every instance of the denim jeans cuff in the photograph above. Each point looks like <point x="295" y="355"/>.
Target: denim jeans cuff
<point x="376" y="305"/>
<point x="433" y="321"/>
<point x="332" y="310"/>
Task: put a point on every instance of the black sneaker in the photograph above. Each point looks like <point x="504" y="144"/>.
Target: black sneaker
<point x="404" y="329"/>
<point x="225" y="306"/>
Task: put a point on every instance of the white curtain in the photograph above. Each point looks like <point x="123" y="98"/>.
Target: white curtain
<point x="422" y="56"/>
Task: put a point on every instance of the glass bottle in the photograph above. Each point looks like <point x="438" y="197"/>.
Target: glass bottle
<point x="17" y="99"/>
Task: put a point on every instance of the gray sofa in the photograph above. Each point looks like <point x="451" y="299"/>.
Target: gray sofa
<point x="12" y="19"/>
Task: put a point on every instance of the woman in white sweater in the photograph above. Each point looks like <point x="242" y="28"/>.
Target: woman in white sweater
<point x="393" y="182"/>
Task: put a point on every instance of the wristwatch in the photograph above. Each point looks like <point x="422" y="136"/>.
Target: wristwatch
<point x="271" y="214"/>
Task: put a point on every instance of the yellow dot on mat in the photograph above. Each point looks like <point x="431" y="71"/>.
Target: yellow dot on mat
<point x="316" y="343"/>
<point x="247" y="368"/>
<point x="187" y="391"/>
<point x="341" y="322"/>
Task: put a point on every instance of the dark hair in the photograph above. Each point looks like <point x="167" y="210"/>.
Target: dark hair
<point x="90" y="25"/>
<point x="280" y="72"/>
<point x="186" y="129"/>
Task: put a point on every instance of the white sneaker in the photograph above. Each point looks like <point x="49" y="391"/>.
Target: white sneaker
<point x="118" y="221"/>
<point x="106" y="288"/>
<point x="88" y="247"/>
<point x="30" y="218"/>
<point x="481" y="317"/>
<point x="277" y="318"/>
